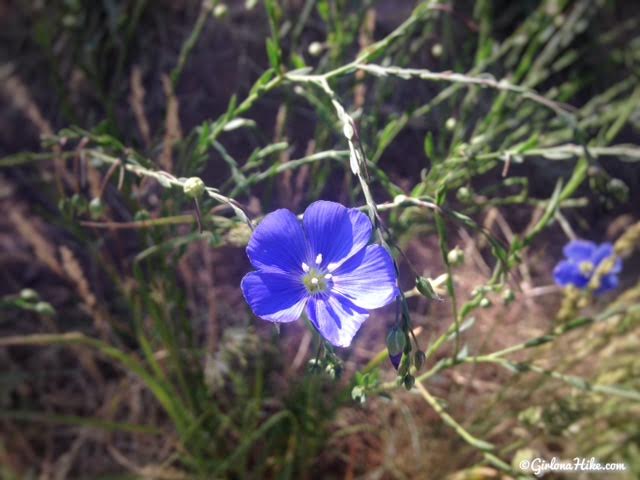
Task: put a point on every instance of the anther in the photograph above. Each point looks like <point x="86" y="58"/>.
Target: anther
<point x="314" y="281"/>
<point x="332" y="266"/>
<point x="319" y="259"/>
<point x="328" y="276"/>
<point x="305" y="267"/>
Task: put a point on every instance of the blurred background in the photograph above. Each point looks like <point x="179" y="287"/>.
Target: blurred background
<point x="126" y="348"/>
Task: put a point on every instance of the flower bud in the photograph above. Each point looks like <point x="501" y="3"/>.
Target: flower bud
<point x="44" y="308"/>
<point x="396" y="341"/>
<point x="508" y="296"/>
<point x="239" y="235"/>
<point x="399" y="199"/>
<point x="450" y="124"/>
<point x="193" y="187"/>
<point x="315" y="49"/>
<point x="96" y="208"/>
<point x="618" y="189"/>
<point x="425" y="287"/>
<point x="220" y="10"/>
<point x="455" y="257"/>
<point x="462" y="149"/>
<point x="437" y="50"/>
<point x="331" y="371"/>
<point x="522" y="457"/>
<point x="141" y="215"/>
<point x="75" y="205"/>
<point x="478" y="139"/>
<point x="358" y="394"/>
<point x="531" y="416"/>
<point x="485" y="303"/>
<point x="395" y="360"/>
<point x="409" y="381"/>
<point x="28" y="294"/>
<point x="314" y="365"/>
<point x="464" y="194"/>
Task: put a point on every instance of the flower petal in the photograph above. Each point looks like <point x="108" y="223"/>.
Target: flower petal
<point x="602" y="252"/>
<point x="368" y="278"/>
<point x="336" y="318"/>
<point x="607" y="283"/>
<point x="274" y="296"/>
<point x="568" y="273"/>
<point x="579" y="250"/>
<point x="395" y="360"/>
<point x="361" y="228"/>
<point x="335" y="232"/>
<point x="617" y="267"/>
<point x="279" y="243"/>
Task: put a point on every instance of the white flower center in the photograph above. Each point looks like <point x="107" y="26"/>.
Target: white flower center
<point x="316" y="279"/>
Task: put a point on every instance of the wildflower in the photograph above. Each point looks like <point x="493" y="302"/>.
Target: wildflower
<point x="322" y="266"/>
<point x="585" y="263"/>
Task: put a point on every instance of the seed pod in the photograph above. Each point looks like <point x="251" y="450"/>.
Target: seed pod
<point x="193" y="187"/>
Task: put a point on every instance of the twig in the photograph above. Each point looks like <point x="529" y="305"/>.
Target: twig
<point x="190" y="42"/>
<point x="449" y="420"/>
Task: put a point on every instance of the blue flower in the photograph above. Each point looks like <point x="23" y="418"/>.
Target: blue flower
<point x="583" y="259"/>
<point x="322" y="266"/>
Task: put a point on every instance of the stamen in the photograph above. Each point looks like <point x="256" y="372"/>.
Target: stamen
<point x="332" y="266"/>
<point x="314" y="281"/>
<point x="319" y="259"/>
<point x="328" y="276"/>
<point x="305" y="267"/>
